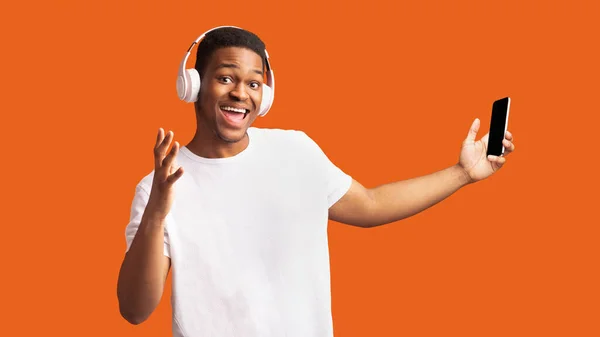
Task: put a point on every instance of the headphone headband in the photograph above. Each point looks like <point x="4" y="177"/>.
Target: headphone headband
<point x="188" y="85"/>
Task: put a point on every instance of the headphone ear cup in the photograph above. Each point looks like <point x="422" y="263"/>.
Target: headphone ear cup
<point x="193" y="85"/>
<point x="181" y="84"/>
<point x="267" y="100"/>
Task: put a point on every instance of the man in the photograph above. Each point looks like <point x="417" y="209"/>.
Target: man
<point x="241" y="213"/>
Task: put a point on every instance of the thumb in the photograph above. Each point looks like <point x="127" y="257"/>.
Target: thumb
<point x="473" y="130"/>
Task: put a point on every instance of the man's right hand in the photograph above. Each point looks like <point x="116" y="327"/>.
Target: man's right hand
<point x="166" y="173"/>
<point x="145" y="267"/>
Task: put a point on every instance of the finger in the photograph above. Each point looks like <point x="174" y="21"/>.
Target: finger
<point x="473" y="130"/>
<point x="168" y="161"/>
<point x="497" y="160"/>
<point x="508" y="145"/>
<point x="159" y="137"/>
<point x="157" y="156"/>
<point x="161" y="150"/>
<point x="508" y="135"/>
<point x="175" y="176"/>
<point x="173" y="167"/>
<point x="167" y="141"/>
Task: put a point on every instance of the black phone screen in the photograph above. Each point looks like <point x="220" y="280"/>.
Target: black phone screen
<point x="498" y="127"/>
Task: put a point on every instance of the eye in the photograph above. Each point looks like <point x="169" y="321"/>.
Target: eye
<point x="254" y="85"/>
<point x="225" y="79"/>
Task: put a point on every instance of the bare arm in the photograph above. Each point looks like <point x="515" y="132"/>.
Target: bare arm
<point x="145" y="267"/>
<point x="143" y="272"/>
<point x="391" y="202"/>
<point x="398" y="200"/>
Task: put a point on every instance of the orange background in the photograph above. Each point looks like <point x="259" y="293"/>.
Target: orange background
<point x="387" y="88"/>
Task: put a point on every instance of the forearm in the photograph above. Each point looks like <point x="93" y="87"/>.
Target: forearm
<point x="402" y="199"/>
<point x="143" y="272"/>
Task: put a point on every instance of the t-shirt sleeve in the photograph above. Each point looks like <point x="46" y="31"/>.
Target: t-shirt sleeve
<point x="337" y="181"/>
<point x="138" y="206"/>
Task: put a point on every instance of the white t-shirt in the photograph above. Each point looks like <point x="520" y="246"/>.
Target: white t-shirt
<point x="247" y="238"/>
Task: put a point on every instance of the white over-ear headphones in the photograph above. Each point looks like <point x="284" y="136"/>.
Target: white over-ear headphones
<point x="188" y="80"/>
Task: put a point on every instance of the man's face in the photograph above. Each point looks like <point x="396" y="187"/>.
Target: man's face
<point x="231" y="92"/>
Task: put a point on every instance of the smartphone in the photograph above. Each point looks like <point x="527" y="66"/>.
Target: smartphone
<point x="498" y="126"/>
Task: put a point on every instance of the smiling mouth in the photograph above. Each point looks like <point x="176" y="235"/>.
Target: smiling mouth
<point x="234" y="114"/>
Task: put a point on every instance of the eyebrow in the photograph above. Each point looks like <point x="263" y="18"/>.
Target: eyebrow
<point x="231" y="65"/>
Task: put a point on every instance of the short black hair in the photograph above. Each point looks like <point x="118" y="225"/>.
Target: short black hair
<point x="227" y="37"/>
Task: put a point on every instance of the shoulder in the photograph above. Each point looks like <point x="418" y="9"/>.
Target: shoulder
<point x="144" y="185"/>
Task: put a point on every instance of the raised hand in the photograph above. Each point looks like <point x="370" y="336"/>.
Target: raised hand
<point x="473" y="157"/>
<point x="166" y="173"/>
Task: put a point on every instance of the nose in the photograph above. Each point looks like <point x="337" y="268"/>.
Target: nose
<point x="239" y="92"/>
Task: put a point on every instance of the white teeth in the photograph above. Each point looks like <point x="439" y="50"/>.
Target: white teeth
<point x="228" y="108"/>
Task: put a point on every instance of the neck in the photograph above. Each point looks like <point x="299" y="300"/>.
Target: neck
<point x="207" y="144"/>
